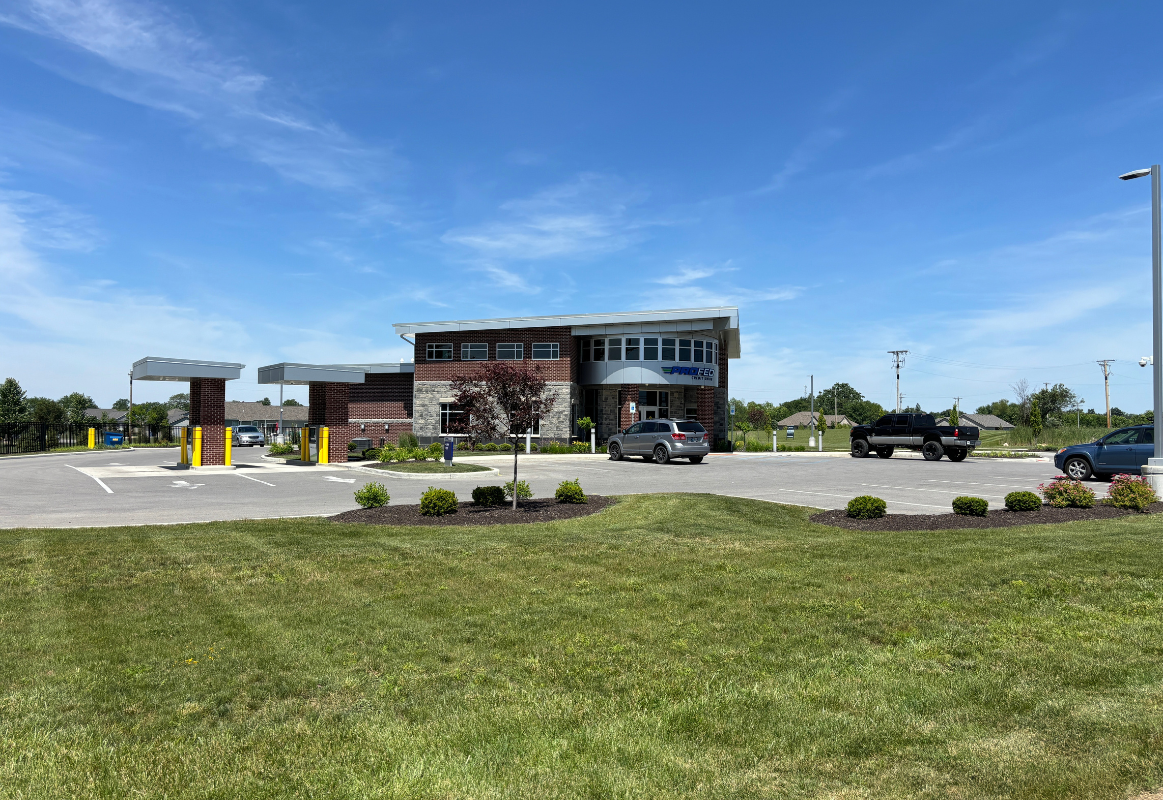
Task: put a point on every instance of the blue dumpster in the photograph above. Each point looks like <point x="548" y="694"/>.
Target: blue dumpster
<point x="449" y="449"/>
<point x="113" y="439"/>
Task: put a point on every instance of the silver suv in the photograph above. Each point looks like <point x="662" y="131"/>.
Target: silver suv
<point x="661" y="440"/>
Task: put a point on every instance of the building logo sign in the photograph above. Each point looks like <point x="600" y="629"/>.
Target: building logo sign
<point x="699" y="373"/>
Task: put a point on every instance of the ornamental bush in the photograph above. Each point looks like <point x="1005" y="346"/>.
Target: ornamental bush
<point x="523" y="490"/>
<point x="506" y="447"/>
<point x="866" y="507"/>
<point x="490" y="447"/>
<point x="570" y="492"/>
<point x="1062" y="492"/>
<point x="388" y="454"/>
<point x="407" y="439"/>
<point x="1128" y="491"/>
<point x="970" y="506"/>
<point x="282" y="449"/>
<point x="436" y="451"/>
<point x="488" y="496"/>
<point x="438" y="502"/>
<point x="373" y="495"/>
<point x="1023" y="501"/>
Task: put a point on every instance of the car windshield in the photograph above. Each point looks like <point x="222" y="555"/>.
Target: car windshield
<point x="691" y="427"/>
<point x="247" y="429"/>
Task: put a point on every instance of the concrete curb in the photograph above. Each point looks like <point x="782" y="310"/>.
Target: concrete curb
<point x="492" y="471"/>
<point x="79" y="453"/>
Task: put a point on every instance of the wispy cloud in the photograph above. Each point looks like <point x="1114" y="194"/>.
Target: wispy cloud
<point x="148" y="55"/>
<point x="589" y="215"/>
<point x="959" y="138"/>
<point x="687" y="275"/>
<point x="801" y="158"/>
<point x="47" y="223"/>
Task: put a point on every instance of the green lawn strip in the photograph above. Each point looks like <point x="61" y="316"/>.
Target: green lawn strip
<point x="428" y="467"/>
<point x="670" y="646"/>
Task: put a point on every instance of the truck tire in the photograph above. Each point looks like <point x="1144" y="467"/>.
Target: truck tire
<point x="884" y="452"/>
<point x="1078" y="469"/>
<point x="859" y="448"/>
<point x="615" y="452"/>
<point x="932" y="450"/>
<point x="958" y="454"/>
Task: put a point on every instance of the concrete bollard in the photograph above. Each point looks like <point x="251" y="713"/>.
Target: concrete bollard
<point x="1153" y="472"/>
<point x="593" y="440"/>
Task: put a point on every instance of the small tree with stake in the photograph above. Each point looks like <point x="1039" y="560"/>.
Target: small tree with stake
<point x="1035" y="419"/>
<point x="502" y="399"/>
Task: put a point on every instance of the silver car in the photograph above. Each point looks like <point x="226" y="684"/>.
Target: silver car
<point x="661" y="440"/>
<point x="248" y="436"/>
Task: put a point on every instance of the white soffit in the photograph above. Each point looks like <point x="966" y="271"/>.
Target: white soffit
<point x="155" y="368"/>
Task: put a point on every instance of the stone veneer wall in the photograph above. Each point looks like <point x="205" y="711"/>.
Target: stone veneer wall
<point x="426" y="410"/>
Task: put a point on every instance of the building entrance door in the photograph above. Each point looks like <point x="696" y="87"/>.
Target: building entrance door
<point x="654" y="405"/>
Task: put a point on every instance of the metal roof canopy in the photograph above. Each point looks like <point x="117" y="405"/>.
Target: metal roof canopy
<point x="154" y="368"/>
<point x="289" y="374"/>
<point x="721" y="319"/>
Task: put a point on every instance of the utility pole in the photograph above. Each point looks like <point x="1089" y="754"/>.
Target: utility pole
<point x="957" y="408"/>
<point x="129" y="416"/>
<point x="812" y="424"/>
<point x="898" y="361"/>
<point x="1106" y="379"/>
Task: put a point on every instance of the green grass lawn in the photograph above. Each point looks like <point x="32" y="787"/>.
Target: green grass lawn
<point x="834" y="438"/>
<point x="428" y="467"/>
<point x="671" y="646"/>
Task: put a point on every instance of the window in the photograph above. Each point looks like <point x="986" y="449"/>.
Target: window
<point x="698" y="351"/>
<point x="1146" y="436"/>
<point x="711" y="348"/>
<point x="450" y="418"/>
<point x="635" y="428"/>
<point x="663" y="405"/>
<point x="684" y="349"/>
<point x="585" y="350"/>
<point x="439" y="352"/>
<point x="547" y="351"/>
<point x="615" y="348"/>
<point x="1121" y="437"/>
<point x="474" y="352"/>
<point x="650" y="349"/>
<point x="510" y="352"/>
<point x="599" y="349"/>
<point x="884" y="422"/>
<point x="648" y="398"/>
<point x="668" y="349"/>
<point x="633" y="349"/>
<point x="690" y="427"/>
<point x="691" y="414"/>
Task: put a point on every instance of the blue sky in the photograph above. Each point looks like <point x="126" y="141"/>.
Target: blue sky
<point x="190" y="179"/>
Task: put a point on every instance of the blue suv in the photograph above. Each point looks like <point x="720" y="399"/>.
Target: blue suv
<point x="1125" y="450"/>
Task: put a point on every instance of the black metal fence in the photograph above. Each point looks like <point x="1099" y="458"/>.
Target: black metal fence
<point x="43" y="437"/>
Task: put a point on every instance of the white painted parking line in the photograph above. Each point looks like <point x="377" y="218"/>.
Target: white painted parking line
<point x="971" y="483"/>
<point x="917" y="489"/>
<point x="338" y="480"/>
<point x="185" y="485"/>
<point x="256" y="480"/>
<point x="94" y="477"/>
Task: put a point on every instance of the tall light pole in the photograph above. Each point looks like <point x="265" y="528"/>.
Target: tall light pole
<point x="898" y="361"/>
<point x="1156" y="316"/>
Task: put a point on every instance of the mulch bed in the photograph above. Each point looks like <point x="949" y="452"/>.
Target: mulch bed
<point x="839" y="518"/>
<point x="468" y="514"/>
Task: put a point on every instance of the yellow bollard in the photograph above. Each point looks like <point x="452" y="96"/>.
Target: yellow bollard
<point x="185" y="445"/>
<point x="324" y="439"/>
<point x="92" y="438"/>
<point x="226" y="444"/>
<point x="304" y="444"/>
<point x="196" y="454"/>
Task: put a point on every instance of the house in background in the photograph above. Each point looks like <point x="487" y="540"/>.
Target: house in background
<point x="239" y="412"/>
<point x="802" y="419"/>
<point x="987" y="422"/>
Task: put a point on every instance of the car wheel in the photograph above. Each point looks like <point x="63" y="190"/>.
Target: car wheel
<point x="696" y="459"/>
<point x="615" y="452"/>
<point x="1078" y="469"/>
<point x="958" y="454"/>
<point x="661" y="454"/>
<point x="933" y="451"/>
<point x="884" y="452"/>
<point x="859" y="448"/>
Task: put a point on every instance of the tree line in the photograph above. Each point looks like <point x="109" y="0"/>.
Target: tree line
<point x="839" y="398"/>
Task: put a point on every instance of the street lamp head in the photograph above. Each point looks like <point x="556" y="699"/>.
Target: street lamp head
<point x="1139" y="173"/>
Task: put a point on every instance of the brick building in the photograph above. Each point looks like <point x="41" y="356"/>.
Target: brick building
<point x="666" y="363"/>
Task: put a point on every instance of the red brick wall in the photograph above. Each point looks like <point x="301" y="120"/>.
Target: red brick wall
<point x="329" y="406"/>
<point x="706" y="405"/>
<point x="626" y="395"/>
<point x="564" y="369"/>
<point x="208" y="410"/>
<point x="382" y="396"/>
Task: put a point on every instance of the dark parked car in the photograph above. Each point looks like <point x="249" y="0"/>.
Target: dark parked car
<point x="661" y="440"/>
<point x="1125" y="450"/>
<point x="915" y="432"/>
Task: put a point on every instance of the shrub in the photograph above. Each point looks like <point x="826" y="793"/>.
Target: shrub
<point x="581" y="447"/>
<point x="488" y="496"/>
<point x="523" y="491"/>
<point x="436" y="451"/>
<point x="387" y="455"/>
<point x="463" y="445"/>
<point x="408" y="439"/>
<point x="437" y="502"/>
<point x="373" y="495"/>
<point x="506" y="447"/>
<point x="490" y="447"/>
<point x="970" y="506"/>
<point x="351" y="447"/>
<point x="866" y="507"/>
<point x="1065" y="493"/>
<point x="371" y="454"/>
<point x="1127" y="491"/>
<point x="570" y="492"/>
<point x="282" y="449"/>
<point x="1023" y="501"/>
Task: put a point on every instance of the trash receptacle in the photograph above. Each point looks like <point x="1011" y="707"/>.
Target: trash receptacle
<point x="114" y="439"/>
<point x="449" y="449"/>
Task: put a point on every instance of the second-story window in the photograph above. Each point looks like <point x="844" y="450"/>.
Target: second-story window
<point x="547" y="351"/>
<point x="474" y="352"/>
<point x="599" y="349"/>
<point x="650" y="349"/>
<point x="509" y="351"/>
<point x="614" y="349"/>
<point x="439" y="352"/>
<point x="698" y="351"/>
<point x="633" y="348"/>
<point x="684" y="349"/>
<point x="584" y="344"/>
<point x="668" y="349"/>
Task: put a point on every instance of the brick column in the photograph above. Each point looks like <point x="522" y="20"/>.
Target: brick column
<point x="626" y="395"/>
<point x="706" y="405"/>
<point x="208" y="411"/>
<point x="329" y="407"/>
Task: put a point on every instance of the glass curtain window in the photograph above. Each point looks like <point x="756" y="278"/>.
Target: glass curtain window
<point x="698" y="351"/>
<point x="633" y="349"/>
<point x="439" y="352"/>
<point x="668" y="349"/>
<point x="664" y="405"/>
<point x="648" y="398"/>
<point x="474" y="352"/>
<point x="684" y="349"/>
<point x="548" y="351"/>
<point x="650" y="349"/>
<point x="614" y="346"/>
<point x="599" y="349"/>
<point x="510" y="352"/>
<point x="449" y="417"/>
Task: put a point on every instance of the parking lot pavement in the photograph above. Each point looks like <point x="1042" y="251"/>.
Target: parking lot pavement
<point x="147" y="487"/>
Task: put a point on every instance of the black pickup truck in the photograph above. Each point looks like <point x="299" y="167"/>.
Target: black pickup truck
<point x="916" y="432"/>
